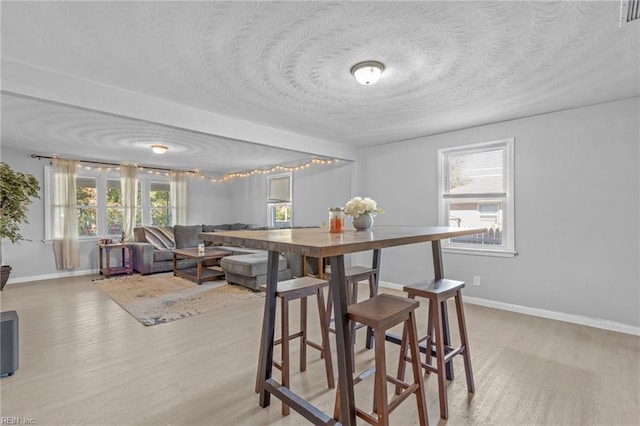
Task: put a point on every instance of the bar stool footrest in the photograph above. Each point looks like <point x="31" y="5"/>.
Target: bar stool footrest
<point x="449" y="356"/>
<point x="366" y="373"/>
<point x="399" y="399"/>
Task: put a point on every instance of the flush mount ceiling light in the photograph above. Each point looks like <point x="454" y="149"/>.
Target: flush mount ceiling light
<point x="367" y="73"/>
<point x="159" y="149"/>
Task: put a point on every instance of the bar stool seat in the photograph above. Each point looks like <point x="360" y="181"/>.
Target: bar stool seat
<point x="353" y="275"/>
<point x="382" y="312"/>
<point x="300" y="288"/>
<point x="438" y="292"/>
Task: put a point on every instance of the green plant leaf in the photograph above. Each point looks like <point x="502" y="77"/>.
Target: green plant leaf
<point x="17" y="191"/>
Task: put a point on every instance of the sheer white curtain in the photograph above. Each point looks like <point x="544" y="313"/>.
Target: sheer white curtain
<point x="129" y="186"/>
<point x="178" y="193"/>
<point x="66" y="247"/>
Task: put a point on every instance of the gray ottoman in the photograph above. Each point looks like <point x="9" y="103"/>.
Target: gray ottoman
<point x="250" y="270"/>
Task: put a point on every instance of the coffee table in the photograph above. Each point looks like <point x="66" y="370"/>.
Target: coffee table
<point x="200" y="273"/>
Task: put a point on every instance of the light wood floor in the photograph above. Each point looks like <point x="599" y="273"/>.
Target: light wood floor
<point x="85" y="361"/>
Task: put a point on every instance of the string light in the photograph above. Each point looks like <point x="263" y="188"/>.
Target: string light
<point x="278" y="168"/>
<point x="197" y="173"/>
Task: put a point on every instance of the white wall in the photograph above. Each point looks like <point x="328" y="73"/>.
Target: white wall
<point x="316" y="189"/>
<point x="208" y="203"/>
<point x="577" y="211"/>
<point x="249" y="200"/>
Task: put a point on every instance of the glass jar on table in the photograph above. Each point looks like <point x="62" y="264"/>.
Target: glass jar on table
<point x="336" y="219"/>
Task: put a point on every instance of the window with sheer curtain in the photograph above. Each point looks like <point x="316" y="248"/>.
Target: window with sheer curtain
<point x="178" y="191"/>
<point x="280" y="200"/>
<point x="64" y="216"/>
<point x="100" y="206"/>
<point x="476" y="189"/>
<point x="129" y="192"/>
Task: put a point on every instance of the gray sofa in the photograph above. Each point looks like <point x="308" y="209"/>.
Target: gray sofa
<point x="153" y="244"/>
<point x="152" y="252"/>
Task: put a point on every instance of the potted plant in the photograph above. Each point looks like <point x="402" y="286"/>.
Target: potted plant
<point x="16" y="193"/>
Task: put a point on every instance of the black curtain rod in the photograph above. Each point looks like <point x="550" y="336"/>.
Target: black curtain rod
<point x="40" y="157"/>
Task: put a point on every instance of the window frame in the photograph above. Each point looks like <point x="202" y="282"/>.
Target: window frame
<point x="95" y="206"/>
<point x="146" y="202"/>
<point x="120" y="207"/>
<point x="272" y="204"/>
<point x="101" y="176"/>
<point x="508" y="247"/>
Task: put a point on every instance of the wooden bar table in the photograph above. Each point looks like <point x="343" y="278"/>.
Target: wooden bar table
<point x="319" y="243"/>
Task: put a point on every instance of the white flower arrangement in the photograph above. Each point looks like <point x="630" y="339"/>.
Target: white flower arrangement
<point x="357" y="206"/>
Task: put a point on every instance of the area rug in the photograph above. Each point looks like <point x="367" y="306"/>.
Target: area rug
<point x="161" y="298"/>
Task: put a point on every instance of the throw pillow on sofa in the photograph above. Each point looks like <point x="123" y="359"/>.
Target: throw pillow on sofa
<point x="160" y="237"/>
<point x="187" y="236"/>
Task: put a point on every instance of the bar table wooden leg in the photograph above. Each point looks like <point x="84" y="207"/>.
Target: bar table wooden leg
<point x="438" y="271"/>
<point x="375" y="264"/>
<point x="343" y="342"/>
<point x="265" y="366"/>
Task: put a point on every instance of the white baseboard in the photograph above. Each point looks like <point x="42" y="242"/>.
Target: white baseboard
<point x="52" y="276"/>
<point x="543" y="313"/>
<point x="394" y="286"/>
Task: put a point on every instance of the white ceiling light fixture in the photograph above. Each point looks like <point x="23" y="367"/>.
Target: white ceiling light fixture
<point x="159" y="149"/>
<point x="368" y="72"/>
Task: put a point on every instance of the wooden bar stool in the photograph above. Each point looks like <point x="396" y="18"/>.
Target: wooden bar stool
<point x="438" y="292"/>
<point x="381" y="313"/>
<point x="353" y="275"/>
<point x="300" y="288"/>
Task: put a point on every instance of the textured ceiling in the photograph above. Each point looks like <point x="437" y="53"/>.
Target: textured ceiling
<point x="285" y="65"/>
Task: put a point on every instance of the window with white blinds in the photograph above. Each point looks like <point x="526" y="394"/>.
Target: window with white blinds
<point x="279" y="200"/>
<point x="476" y="190"/>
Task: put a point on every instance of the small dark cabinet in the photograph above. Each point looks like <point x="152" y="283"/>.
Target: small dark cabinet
<point x="8" y="343"/>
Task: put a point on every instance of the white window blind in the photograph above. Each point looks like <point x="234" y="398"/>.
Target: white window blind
<point x="279" y="189"/>
<point x="480" y="172"/>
